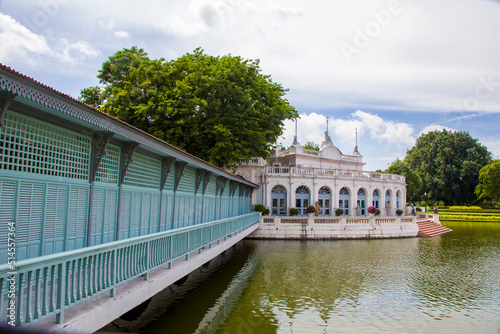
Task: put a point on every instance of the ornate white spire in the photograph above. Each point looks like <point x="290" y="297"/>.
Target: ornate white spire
<point x="295" y="142"/>
<point x="356" y="152"/>
<point x="328" y="140"/>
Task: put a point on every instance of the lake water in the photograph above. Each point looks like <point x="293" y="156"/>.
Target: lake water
<point x="444" y="284"/>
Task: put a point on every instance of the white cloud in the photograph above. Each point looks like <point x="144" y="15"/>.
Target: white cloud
<point x="493" y="145"/>
<point x="18" y="41"/>
<point x="311" y="127"/>
<point x="121" y="34"/>
<point x="434" y="127"/>
<point x="74" y="52"/>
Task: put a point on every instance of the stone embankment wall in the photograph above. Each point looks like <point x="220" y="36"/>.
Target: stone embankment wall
<point x="335" y="227"/>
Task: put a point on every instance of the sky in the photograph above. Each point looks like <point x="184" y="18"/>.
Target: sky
<point x="392" y="69"/>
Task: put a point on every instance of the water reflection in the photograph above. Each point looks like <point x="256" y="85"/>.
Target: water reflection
<point x="444" y="284"/>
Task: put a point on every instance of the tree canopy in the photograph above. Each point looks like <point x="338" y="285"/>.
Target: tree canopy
<point x="448" y="164"/>
<point x="413" y="181"/>
<point x="221" y="109"/>
<point x="489" y="182"/>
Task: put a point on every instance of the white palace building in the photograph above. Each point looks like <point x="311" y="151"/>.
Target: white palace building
<point x="298" y="177"/>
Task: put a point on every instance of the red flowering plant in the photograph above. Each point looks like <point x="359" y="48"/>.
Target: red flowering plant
<point x="371" y="209"/>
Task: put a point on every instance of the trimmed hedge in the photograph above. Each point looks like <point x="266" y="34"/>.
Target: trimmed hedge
<point x="469" y="211"/>
<point x="469" y="218"/>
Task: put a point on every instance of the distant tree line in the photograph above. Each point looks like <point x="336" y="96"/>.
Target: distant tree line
<point x="449" y="166"/>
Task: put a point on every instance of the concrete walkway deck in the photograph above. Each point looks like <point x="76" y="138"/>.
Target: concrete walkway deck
<point x="97" y="312"/>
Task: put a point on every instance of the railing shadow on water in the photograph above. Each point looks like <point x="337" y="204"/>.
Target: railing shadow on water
<point x="43" y="287"/>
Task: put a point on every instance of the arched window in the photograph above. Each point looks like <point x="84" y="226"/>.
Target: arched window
<point x="344" y="197"/>
<point x="325" y="198"/>
<point x="397" y="199"/>
<point x="278" y="201"/>
<point x="302" y="199"/>
<point x="362" y="202"/>
<point x="376" y="198"/>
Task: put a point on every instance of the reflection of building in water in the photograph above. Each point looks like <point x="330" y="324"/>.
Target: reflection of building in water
<point x="297" y="177"/>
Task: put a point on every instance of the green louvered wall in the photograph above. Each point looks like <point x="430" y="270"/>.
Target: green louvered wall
<point x="140" y="198"/>
<point x="45" y="188"/>
<point x="44" y="185"/>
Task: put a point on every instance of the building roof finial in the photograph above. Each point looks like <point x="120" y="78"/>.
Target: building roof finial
<point x="295" y="141"/>
<point x="356" y="147"/>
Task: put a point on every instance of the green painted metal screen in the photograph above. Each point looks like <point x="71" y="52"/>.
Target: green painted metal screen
<point x="31" y="146"/>
<point x="44" y="173"/>
<point x="110" y="165"/>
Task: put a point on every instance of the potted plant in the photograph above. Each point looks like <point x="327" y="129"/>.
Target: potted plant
<point x="339" y="212"/>
<point x="399" y="212"/>
<point x="371" y="210"/>
<point x="294" y="211"/>
<point x="262" y="209"/>
<point x="310" y="210"/>
<point x="377" y="212"/>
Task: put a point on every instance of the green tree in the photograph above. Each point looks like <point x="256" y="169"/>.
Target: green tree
<point x="311" y="146"/>
<point x="489" y="182"/>
<point x="220" y="109"/>
<point x="413" y="181"/>
<point x="448" y="164"/>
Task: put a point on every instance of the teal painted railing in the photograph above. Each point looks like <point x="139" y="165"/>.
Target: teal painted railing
<point x="39" y="288"/>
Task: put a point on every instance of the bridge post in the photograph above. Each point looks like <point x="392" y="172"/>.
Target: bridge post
<point x="112" y="292"/>
<point x="148" y="257"/>
<point x="61" y="292"/>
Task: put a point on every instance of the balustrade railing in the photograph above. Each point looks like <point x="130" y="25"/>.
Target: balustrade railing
<point x="311" y="171"/>
<point x="287" y="220"/>
<point x="39" y="288"/>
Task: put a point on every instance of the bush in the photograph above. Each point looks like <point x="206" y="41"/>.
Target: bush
<point x="489" y="205"/>
<point x="260" y="208"/>
<point x="310" y="209"/>
<point x="371" y="209"/>
<point x="423" y="203"/>
<point x="377" y="212"/>
<point x="294" y="211"/>
<point x="418" y="209"/>
<point x="399" y="212"/>
<point x="339" y="212"/>
<point x="464" y="208"/>
<point x="265" y="212"/>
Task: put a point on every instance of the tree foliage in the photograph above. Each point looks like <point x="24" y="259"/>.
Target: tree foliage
<point x="413" y="181"/>
<point x="448" y="164"/>
<point x="489" y="182"/>
<point x="220" y="109"/>
<point x="311" y="146"/>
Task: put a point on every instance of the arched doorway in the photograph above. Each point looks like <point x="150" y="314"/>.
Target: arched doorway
<point x="344" y="197"/>
<point x="278" y="201"/>
<point x="362" y="202"/>
<point x="302" y="199"/>
<point x="388" y="204"/>
<point x="324" y="198"/>
<point x="376" y="198"/>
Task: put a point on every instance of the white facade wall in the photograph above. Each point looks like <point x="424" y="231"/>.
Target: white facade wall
<point x="295" y="167"/>
<point x="314" y="184"/>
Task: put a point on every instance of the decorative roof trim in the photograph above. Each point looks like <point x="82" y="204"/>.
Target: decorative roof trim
<point x="32" y="90"/>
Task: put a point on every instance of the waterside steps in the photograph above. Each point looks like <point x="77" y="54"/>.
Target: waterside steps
<point x="427" y="228"/>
